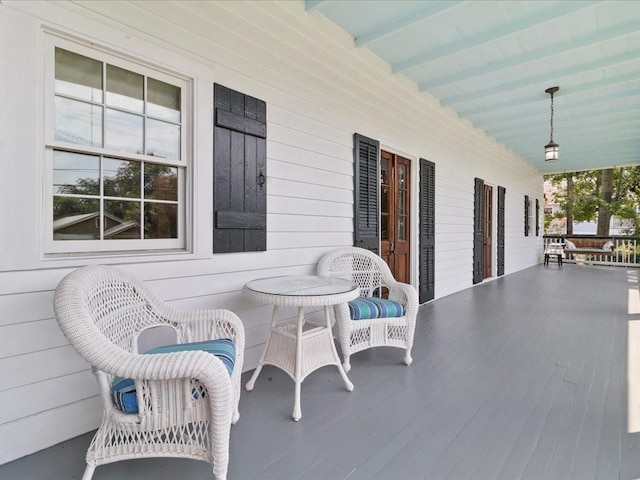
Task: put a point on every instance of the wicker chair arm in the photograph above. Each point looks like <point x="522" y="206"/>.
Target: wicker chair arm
<point x="202" y="366"/>
<point x="403" y="293"/>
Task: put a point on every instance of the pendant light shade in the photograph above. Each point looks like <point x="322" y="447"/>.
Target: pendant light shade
<point x="551" y="148"/>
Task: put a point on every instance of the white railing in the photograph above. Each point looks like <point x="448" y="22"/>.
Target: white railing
<point x="623" y="254"/>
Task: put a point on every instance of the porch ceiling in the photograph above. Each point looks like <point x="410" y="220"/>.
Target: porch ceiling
<point x="492" y="61"/>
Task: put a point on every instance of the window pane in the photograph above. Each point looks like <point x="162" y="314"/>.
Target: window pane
<point x="160" y="182"/>
<point x="76" y="218"/>
<point x="163" y="139"/>
<point x="163" y="100"/>
<point x="402" y="176"/>
<point x="402" y="230"/>
<point x="123" y="132"/>
<point x="402" y="202"/>
<point x="78" y="122"/>
<point x="78" y="76"/>
<point x="125" y="89"/>
<point x="121" y="178"/>
<point x="121" y="220"/>
<point x="160" y="220"/>
<point x="76" y="173"/>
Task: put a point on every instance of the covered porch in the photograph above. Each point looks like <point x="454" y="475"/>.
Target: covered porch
<point x="527" y="376"/>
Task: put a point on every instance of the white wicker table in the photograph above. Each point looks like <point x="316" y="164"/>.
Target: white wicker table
<point x="299" y="346"/>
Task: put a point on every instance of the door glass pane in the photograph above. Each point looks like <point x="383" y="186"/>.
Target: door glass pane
<point x="76" y="218"/>
<point x="125" y="89"/>
<point x="402" y="202"/>
<point x="163" y="100"/>
<point x="163" y="139"/>
<point x="76" y="173"/>
<point x="160" y="220"/>
<point x="160" y="182"/>
<point x="78" y="76"/>
<point x="121" y="220"/>
<point x="121" y="178"/>
<point x="402" y="176"/>
<point x="78" y="122"/>
<point x="123" y="132"/>
<point x="402" y="227"/>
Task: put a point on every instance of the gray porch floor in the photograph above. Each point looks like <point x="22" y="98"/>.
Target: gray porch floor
<point x="524" y="377"/>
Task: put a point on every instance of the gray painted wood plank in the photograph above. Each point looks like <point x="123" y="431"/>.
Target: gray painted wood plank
<point x="522" y="378"/>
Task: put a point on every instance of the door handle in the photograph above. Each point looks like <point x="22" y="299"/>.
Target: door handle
<point x="392" y="247"/>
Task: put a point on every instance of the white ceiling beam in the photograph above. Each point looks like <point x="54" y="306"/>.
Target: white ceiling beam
<point x="548" y="78"/>
<point x="605" y="121"/>
<point x="610" y="33"/>
<point x="539" y="106"/>
<point x="381" y="31"/>
<point x="310" y="5"/>
<point x="537" y="96"/>
<point x="559" y="10"/>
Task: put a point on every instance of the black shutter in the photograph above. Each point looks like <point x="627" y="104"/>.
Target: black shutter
<point x="526" y="216"/>
<point x="537" y="217"/>
<point x="427" y="230"/>
<point x="501" y="194"/>
<point x="478" y="233"/>
<point x="366" y="228"/>
<point x="239" y="172"/>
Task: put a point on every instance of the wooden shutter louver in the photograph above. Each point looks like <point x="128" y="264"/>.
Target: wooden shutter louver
<point x="239" y="172"/>
<point x="478" y="230"/>
<point x="427" y="231"/>
<point x="501" y="217"/>
<point x="526" y="216"/>
<point x="366" y="229"/>
<point x="537" y="217"/>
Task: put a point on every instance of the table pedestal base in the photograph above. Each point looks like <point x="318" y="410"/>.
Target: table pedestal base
<point x="299" y="348"/>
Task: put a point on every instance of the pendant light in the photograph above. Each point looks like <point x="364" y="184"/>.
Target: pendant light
<point x="551" y="148"/>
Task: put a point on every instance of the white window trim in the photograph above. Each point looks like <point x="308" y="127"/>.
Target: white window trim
<point x="116" y="248"/>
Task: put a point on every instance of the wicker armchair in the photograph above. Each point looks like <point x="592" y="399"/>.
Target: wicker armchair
<point x="370" y="272"/>
<point x="186" y="400"/>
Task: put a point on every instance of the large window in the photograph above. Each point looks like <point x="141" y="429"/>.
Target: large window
<point x="117" y="155"/>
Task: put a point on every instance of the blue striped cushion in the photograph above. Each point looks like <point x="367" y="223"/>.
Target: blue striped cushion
<point x="123" y="390"/>
<point x="365" y="308"/>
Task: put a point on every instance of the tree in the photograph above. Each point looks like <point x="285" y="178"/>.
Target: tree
<point x="598" y="195"/>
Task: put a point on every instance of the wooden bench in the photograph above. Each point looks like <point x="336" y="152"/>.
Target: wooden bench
<point x="588" y="246"/>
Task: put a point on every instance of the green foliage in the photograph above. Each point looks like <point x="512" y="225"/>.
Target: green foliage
<point x="587" y="197"/>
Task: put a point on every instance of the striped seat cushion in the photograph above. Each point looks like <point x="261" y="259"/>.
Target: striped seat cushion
<point x="365" y="308"/>
<point x="123" y="390"/>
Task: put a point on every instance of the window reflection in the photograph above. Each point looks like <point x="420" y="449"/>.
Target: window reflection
<point x="98" y="197"/>
<point x="125" y="89"/>
<point x="160" y="220"/>
<point x="78" y="122"/>
<point x="76" y="218"/>
<point x="121" y="178"/>
<point x="76" y="173"/>
<point x="164" y="100"/>
<point x="160" y="182"/>
<point x="78" y="76"/>
<point x="163" y="139"/>
<point x="121" y="220"/>
<point x="123" y="132"/>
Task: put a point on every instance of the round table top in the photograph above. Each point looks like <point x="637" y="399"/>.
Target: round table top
<point x="301" y="290"/>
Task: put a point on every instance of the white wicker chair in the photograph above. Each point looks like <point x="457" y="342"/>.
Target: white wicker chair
<point x="370" y="272"/>
<point x="186" y="400"/>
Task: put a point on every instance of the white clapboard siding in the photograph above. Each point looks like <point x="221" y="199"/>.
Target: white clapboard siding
<point x="319" y="91"/>
<point x="39" y="366"/>
<point x="23" y="401"/>
<point x="38" y="431"/>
